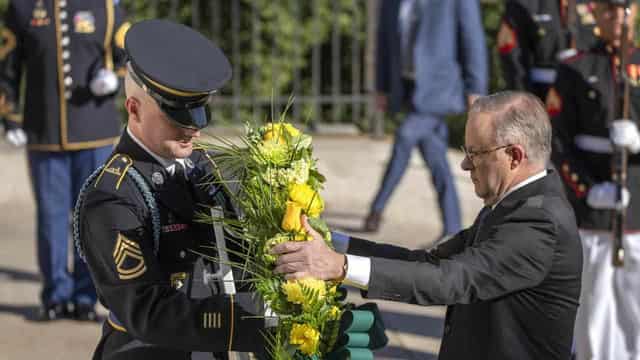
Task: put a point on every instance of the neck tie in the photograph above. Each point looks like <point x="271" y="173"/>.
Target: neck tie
<point x="479" y="222"/>
<point x="178" y="173"/>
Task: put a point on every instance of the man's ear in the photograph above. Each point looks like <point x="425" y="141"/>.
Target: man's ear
<point x="133" y="108"/>
<point x="517" y="155"/>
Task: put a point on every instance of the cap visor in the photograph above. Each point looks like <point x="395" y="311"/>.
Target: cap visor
<point x="197" y="117"/>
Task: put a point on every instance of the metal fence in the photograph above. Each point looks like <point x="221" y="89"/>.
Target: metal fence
<point x="332" y="86"/>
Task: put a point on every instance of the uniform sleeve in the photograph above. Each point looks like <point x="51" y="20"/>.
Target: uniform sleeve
<point x="120" y="253"/>
<point x="511" y="41"/>
<point x="121" y="26"/>
<point x="474" y="59"/>
<point x="11" y="61"/>
<point x="517" y="255"/>
<point x="562" y="108"/>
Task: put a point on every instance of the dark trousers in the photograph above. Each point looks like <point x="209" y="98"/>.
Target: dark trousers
<point x="430" y="134"/>
<point x="56" y="178"/>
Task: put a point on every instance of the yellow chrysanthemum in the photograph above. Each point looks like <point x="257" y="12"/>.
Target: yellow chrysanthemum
<point x="334" y="313"/>
<point x="276" y="131"/>
<point x="275" y="240"/>
<point x="291" y="219"/>
<point x="307" y="198"/>
<point x="274" y="152"/>
<point x="293" y="290"/>
<point x="306" y="337"/>
<point x="302" y="236"/>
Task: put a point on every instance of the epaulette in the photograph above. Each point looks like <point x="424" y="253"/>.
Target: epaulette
<point x="114" y="172"/>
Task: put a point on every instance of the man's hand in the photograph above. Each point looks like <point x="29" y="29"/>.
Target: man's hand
<point x="624" y="133"/>
<point x="303" y="259"/>
<point x="104" y="83"/>
<point x="16" y="137"/>
<point x="604" y="196"/>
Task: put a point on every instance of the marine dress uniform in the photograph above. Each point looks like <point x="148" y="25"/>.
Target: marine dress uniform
<point x="151" y="260"/>
<point x="581" y="104"/>
<point x="534" y="35"/>
<point x="63" y="48"/>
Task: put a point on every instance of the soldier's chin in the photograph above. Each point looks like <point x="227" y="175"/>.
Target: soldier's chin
<point x="182" y="149"/>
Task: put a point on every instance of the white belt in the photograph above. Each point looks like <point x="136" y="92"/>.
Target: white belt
<point x="596" y="144"/>
<point x="542" y="75"/>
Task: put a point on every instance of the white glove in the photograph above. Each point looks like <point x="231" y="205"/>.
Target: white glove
<point x="603" y="196"/>
<point x="624" y="133"/>
<point x="104" y="83"/>
<point x="16" y="137"/>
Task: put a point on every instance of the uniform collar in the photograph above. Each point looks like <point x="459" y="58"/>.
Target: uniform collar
<point x="168" y="164"/>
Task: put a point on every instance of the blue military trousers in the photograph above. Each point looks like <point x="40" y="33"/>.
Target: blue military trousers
<point x="431" y="134"/>
<point x="56" y="178"/>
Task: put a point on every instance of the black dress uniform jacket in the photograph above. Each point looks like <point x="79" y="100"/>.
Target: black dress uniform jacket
<point x="512" y="282"/>
<point x="582" y="103"/>
<point x="61" y="45"/>
<point x="159" y="307"/>
<point x="532" y="36"/>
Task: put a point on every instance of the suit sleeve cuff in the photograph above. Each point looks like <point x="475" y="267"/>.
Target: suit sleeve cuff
<point x="358" y="271"/>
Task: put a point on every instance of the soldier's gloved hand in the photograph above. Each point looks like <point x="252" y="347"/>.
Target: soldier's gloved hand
<point x="16" y="137"/>
<point x="624" y="133"/>
<point x="104" y="83"/>
<point x="604" y="196"/>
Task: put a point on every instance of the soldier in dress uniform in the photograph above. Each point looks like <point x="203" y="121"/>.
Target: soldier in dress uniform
<point x="584" y="103"/>
<point x="136" y="216"/>
<point x="535" y="34"/>
<point x="68" y="52"/>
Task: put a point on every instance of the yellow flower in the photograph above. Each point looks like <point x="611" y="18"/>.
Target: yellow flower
<point x="275" y="240"/>
<point x="307" y="198"/>
<point x="277" y="131"/>
<point x="306" y="337"/>
<point x="334" y="313"/>
<point x="302" y="236"/>
<point x="293" y="290"/>
<point x="274" y="152"/>
<point x="291" y="219"/>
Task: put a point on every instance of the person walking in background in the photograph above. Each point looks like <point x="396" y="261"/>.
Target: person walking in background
<point x="431" y="62"/>
<point x="68" y="51"/>
<point x="535" y="35"/>
<point x="585" y="104"/>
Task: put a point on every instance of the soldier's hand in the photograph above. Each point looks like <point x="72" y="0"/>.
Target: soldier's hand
<point x="16" y="137"/>
<point x="104" y="83"/>
<point x="382" y="102"/>
<point x="604" y="196"/>
<point x="624" y="133"/>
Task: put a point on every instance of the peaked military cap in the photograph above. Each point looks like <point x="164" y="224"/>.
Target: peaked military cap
<point x="178" y="67"/>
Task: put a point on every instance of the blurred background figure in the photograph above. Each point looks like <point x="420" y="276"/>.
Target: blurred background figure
<point x="590" y="130"/>
<point x="68" y="52"/>
<point x="431" y="62"/>
<point x="535" y="35"/>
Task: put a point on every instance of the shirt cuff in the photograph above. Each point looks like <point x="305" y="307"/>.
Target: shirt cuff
<point x="340" y="242"/>
<point x="358" y="271"/>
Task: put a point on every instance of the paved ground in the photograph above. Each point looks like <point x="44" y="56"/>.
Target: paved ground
<point x="352" y="165"/>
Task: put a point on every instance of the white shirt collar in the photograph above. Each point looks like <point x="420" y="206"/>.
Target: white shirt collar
<point x="166" y="163"/>
<point x="521" y="184"/>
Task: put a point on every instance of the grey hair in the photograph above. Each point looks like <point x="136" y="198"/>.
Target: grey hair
<point x="518" y="118"/>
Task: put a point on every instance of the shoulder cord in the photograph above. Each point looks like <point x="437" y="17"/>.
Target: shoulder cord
<point x="149" y="200"/>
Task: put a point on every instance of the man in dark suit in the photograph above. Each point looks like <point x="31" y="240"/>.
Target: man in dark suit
<point x="68" y="52"/>
<point x="512" y="280"/>
<point x="431" y="62"/>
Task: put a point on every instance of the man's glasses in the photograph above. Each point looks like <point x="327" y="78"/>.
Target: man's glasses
<point x="474" y="154"/>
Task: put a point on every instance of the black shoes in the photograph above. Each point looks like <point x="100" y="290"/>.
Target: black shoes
<point x="57" y="311"/>
<point x="83" y="312"/>
<point x="372" y="222"/>
<point x="53" y="312"/>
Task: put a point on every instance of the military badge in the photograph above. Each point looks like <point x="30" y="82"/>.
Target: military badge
<point x="128" y="258"/>
<point x="39" y="16"/>
<point x="507" y="40"/>
<point x="157" y="178"/>
<point x="84" y="22"/>
<point x="554" y="102"/>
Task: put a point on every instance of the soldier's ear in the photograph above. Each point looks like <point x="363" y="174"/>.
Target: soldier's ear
<point x="132" y="104"/>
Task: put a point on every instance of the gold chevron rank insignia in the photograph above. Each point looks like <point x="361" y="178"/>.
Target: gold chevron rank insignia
<point x="128" y="258"/>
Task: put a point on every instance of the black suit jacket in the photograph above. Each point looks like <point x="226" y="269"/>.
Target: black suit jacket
<point x="512" y="294"/>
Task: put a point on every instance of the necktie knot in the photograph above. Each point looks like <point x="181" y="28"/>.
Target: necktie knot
<point x="178" y="172"/>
